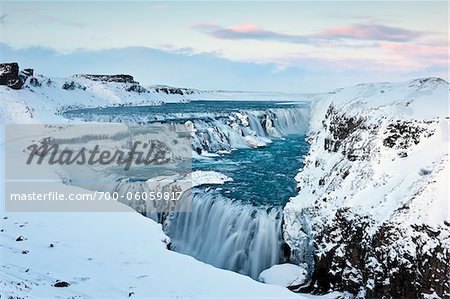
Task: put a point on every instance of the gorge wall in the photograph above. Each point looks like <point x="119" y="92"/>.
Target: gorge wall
<point x="372" y="205"/>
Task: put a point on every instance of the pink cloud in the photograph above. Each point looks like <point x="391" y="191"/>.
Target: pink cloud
<point x="362" y="32"/>
<point x="245" y="28"/>
<point x="430" y="50"/>
<point x="370" y="32"/>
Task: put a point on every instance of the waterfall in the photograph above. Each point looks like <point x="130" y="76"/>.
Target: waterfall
<point x="223" y="232"/>
<point x="229" y="235"/>
<point x="219" y="131"/>
<point x="255" y="124"/>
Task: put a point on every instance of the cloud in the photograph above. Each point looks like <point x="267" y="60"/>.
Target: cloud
<point x="370" y="32"/>
<point x="247" y="31"/>
<point x="177" y="50"/>
<point x="418" y="54"/>
<point x="356" y="32"/>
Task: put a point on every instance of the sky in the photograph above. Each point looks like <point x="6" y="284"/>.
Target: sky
<point x="294" y="46"/>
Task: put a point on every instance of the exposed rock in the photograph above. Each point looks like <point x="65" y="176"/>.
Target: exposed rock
<point x="173" y="90"/>
<point x="402" y="134"/>
<point x="25" y="74"/>
<point x="35" y="82"/>
<point x="61" y="284"/>
<point x="9" y="75"/>
<point x="49" y="83"/>
<point x="136" y="88"/>
<point x="72" y="85"/>
<point x="339" y="268"/>
<point x="360" y="258"/>
<point x="340" y="128"/>
<point x="120" y="78"/>
<point x="20" y="238"/>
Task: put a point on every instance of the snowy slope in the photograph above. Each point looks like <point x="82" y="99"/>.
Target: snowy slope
<point x="371" y="215"/>
<point x="42" y="99"/>
<point x="106" y="255"/>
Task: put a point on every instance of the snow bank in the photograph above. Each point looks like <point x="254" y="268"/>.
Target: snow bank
<point x="107" y="255"/>
<point x="286" y="275"/>
<point x="200" y="177"/>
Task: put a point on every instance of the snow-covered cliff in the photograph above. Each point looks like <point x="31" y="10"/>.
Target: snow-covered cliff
<point x="371" y="216"/>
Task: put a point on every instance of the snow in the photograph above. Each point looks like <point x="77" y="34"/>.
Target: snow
<point x="381" y="184"/>
<point x="108" y="255"/>
<point x="38" y="104"/>
<point x="257" y="141"/>
<point x="200" y="177"/>
<point x="285" y="275"/>
<point x="388" y="185"/>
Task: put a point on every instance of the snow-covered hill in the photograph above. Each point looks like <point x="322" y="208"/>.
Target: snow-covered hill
<point x="106" y="255"/>
<point x="371" y="216"/>
<point x="42" y="99"/>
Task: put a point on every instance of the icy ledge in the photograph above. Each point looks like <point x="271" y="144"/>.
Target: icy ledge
<point x="371" y="216"/>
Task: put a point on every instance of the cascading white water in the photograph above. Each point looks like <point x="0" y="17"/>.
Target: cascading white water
<point x="222" y="131"/>
<point x="229" y="235"/>
<point x="224" y="233"/>
<point x="227" y="132"/>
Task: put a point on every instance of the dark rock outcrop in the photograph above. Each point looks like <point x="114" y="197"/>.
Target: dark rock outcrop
<point x="15" y="79"/>
<point x="173" y="90"/>
<point x="25" y="73"/>
<point x="72" y="86"/>
<point x="120" y="78"/>
<point x="403" y="134"/>
<point x="136" y="88"/>
<point x="35" y="82"/>
<point x="9" y="75"/>
<point x="362" y="263"/>
<point x="340" y="128"/>
<point x="61" y="284"/>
